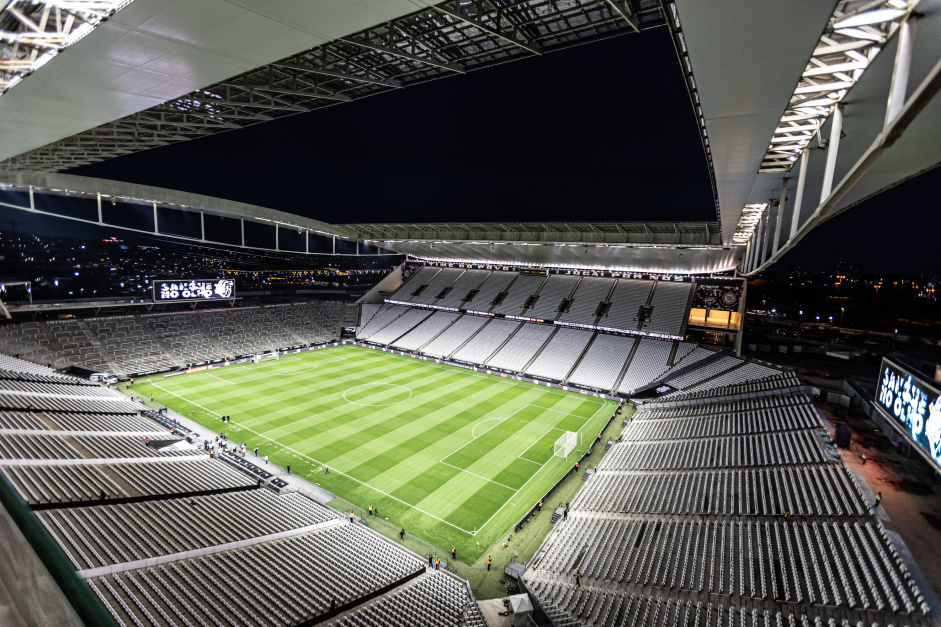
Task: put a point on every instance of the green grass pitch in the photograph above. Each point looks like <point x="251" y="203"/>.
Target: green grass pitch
<point x="454" y="456"/>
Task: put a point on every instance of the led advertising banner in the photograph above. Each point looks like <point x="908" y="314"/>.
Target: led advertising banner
<point x="196" y="289"/>
<point x="915" y="405"/>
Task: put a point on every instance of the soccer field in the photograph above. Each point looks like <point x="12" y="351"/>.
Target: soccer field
<point x="453" y="456"/>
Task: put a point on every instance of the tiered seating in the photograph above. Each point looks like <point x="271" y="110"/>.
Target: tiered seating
<point x="628" y="296"/>
<point x="14" y="365"/>
<point x="440" y="282"/>
<point x="407" y="292"/>
<point x="426" y="331"/>
<point x="521" y="348"/>
<point x="457" y="334"/>
<point x="187" y="475"/>
<point x="560" y="354"/>
<point x="787" y="418"/>
<point x="102" y="422"/>
<point x="556" y="288"/>
<point x="746" y="559"/>
<point x="708" y="371"/>
<point x="588" y="296"/>
<point x="669" y="308"/>
<point x="73" y="346"/>
<point x="482" y="345"/>
<point x="778" y="382"/>
<point x="59" y="388"/>
<point x="470" y="280"/>
<point x="383" y="317"/>
<point x="273" y="583"/>
<point x="493" y="285"/>
<point x="649" y="362"/>
<point x="801" y="490"/>
<point x="66" y="403"/>
<point x="400" y="326"/>
<point x="128" y="343"/>
<point x="62" y="483"/>
<point x="184" y="339"/>
<point x="519" y="292"/>
<point x="748" y="372"/>
<point x="109" y="534"/>
<point x="602" y="364"/>
<point x="791" y="447"/>
<point x="433" y="600"/>
<point x="726" y="501"/>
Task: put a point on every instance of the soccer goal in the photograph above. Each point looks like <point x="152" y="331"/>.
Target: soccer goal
<point x="257" y="358"/>
<point x="565" y="444"/>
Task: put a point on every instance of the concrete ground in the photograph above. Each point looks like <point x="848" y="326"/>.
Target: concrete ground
<point x="911" y="491"/>
<point x="491" y="609"/>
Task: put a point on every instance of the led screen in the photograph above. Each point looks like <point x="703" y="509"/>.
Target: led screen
<point x="197" y="289"/>
<point x="915" y="404"/>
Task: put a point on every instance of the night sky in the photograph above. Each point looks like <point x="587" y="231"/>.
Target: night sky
<point x="603" y="131"/>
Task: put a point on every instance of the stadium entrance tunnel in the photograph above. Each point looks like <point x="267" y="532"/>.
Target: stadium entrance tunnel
<point x="377" y="394"/>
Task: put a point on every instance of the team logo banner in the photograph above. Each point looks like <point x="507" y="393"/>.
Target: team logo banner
<point x="194" y="289"/>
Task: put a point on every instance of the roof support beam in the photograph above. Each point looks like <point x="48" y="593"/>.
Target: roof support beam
<point x="622" y="7"/>
<point x="342" y="75"/>
<point x="526" y="44"/>
<point x="392" y="50"/>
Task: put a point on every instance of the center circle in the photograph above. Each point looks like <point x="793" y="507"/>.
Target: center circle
<point x="377" y="394"/>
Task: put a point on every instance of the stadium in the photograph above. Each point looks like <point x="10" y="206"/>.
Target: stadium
<point x="266" y="418"/>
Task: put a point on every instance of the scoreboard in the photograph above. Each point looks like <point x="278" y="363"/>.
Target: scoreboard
<point x="914" y="405"/>
<point x="193" y="289"/>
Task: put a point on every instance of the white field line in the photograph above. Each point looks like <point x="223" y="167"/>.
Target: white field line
<point x="479" y="477"/>
<point x="357" y="403"/>
<point x="277" y="374"/>
<point x="479" y="529"/>
<point x="477" y="424"/>
<point x="436" y="367"/>
<point x="509" y="380"/>
<point x="472" y="432"/>
<point x="520" y="456"/>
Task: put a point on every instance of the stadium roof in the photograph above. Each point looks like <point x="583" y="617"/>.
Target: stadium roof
<point x="764" y="80"/>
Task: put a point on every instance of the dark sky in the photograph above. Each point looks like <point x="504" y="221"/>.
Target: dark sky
<point x="602" y="131"/>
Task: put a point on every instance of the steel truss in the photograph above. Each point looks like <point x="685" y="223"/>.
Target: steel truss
<point x="32" y="32"/>
<point x="452" y="37"/>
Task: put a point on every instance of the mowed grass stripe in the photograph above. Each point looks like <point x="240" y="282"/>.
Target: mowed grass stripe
<point x="269" y="406"/>
<point x="391" y="455"/>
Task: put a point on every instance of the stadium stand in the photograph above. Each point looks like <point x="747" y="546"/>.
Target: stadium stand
<point x="559" y="356"/>
<point x="486" y="341"/>
<point x="426" y="331"/>
<point x="173" y="537"/>
<point x="456" y="335"/>
<point x="601" y="365"/>
<point x="518" y="293"/>
<point x="522" y="347"/>
<point x="708" y="371"/>
<point x="556" y="289"/>
<point x="442" y="281"/>
<point x="669" y="305"/>
<point x="415" y="285"/>
<point x="649" y="362"/>
<point x="379" y="321"/>
<point x="400" y="326"/>
<point x="127" y="345"/>
<point x="587" y="299"/>
<point x="690" y="501"/>
<point x="626" y="299"/>
<point x="493" y="286"/>
<point x="470" y="280"/>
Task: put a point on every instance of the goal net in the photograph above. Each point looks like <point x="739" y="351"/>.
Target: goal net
<point x="565" y="444"/>
<point x="257" y="358"/>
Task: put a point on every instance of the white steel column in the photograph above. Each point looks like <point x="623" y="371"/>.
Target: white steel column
<point x="768" y="227"/>
<point x="276" y="244"/>
<point x="202" y="225"/>
<point x="799" y="197"/>
<point x="777" y="227"/>
<point x="156" y="226"/>
<point x="903" y="64"/>
<point x="833" y="149"/>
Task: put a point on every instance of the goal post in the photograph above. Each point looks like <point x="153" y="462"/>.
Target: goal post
<point x="565" y="444"/>
<point x="257" y="358"/>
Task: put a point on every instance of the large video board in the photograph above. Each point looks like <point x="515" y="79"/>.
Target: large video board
<point x="195" y="289"/>
<point x="915" y="405"/>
